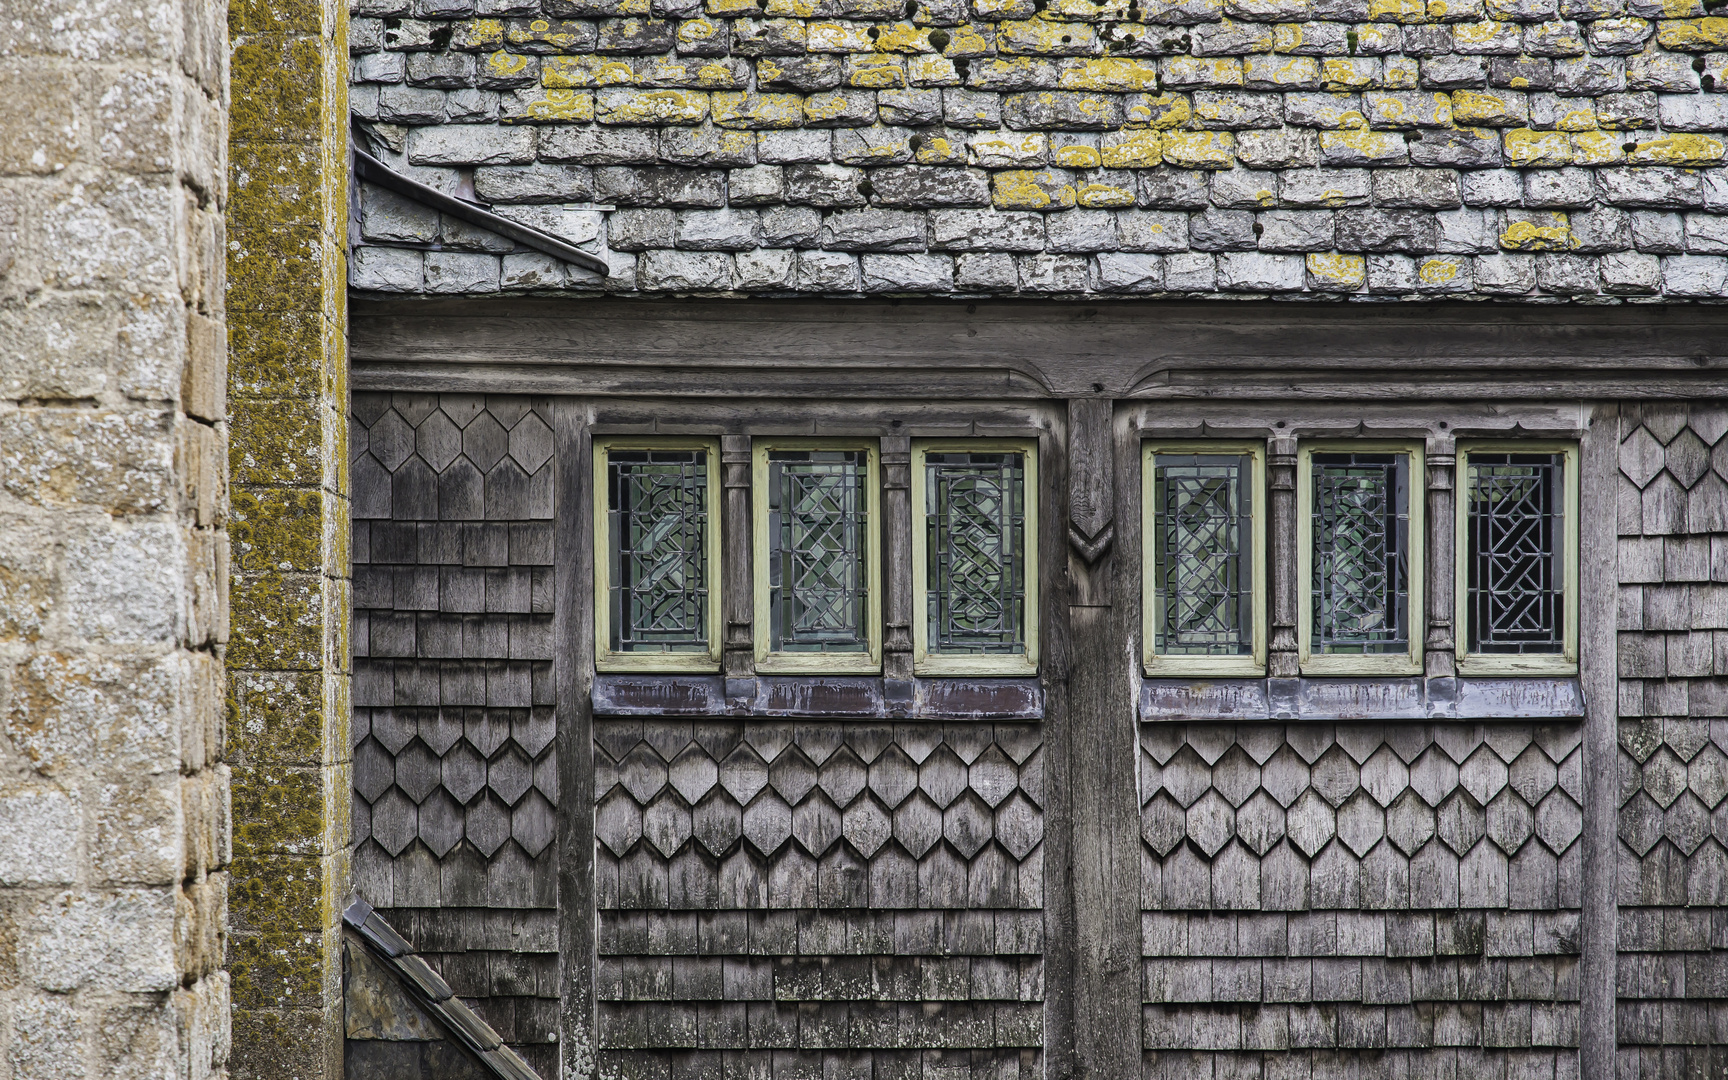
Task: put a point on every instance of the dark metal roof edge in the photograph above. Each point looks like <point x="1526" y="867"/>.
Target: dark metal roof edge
<point x="373" y="171"/>
<point x="465" y="1025"/>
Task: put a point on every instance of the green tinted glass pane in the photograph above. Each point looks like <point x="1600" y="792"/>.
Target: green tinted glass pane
<point x="975" y="541"/>
<point x="818" y="583"/>
<point x="1361" y="525"/>
<point x="1202" y="590"/>
<point x="657" y="523"/>
<point x="1514" y="574"/>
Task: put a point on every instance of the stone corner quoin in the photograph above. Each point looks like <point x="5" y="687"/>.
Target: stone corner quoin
<point x="1325" y="148"/>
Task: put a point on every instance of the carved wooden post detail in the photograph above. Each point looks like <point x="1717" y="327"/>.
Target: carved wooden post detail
<point x="738" y="656"/>
<point x="1091" y="500"/>
<point x="897" y="569"/>
<point x="1441" y="561"/>
<point x="1283" y="651"/>
<point x="1092" y="918"/>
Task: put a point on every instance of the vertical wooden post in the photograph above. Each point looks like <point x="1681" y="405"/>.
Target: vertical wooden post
<point x="1442" y="561"/>
<point x="738" y="655"/>
<point x="573" y="677"/>
<point x="897" y="523"/>
<point x="1092" y="1028"/>
<point x="1598" y="600"/>
<point x="1283" y="660"/>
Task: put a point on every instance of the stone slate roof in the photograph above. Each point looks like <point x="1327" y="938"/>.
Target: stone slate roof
<point x="1363" y="148"/>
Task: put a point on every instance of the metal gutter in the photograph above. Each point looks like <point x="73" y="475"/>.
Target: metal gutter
<point x="373" y="171"/>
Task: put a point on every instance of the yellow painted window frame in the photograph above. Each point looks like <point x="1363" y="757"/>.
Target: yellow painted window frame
<point x="604" y="658"/>
<point x="1253" y="664"/>
<point x="925" y="662"/>
<point x="798" y="663"/>
<point x="1406" y="663"/>
<point x="1564" y="662"/>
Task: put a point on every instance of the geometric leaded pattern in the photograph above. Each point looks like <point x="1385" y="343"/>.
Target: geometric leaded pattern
<point x="1203" y="585"/>
<point x="817" y="525"/>
<point x="1515" y="592"/>
<point x="975" y="517"/>
<point x="1361" y="559"/>
<point x="657" y="520"/>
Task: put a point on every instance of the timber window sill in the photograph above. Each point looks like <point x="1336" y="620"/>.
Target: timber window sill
<point x="835" y="697"/>
<point x="1400" y="699"/>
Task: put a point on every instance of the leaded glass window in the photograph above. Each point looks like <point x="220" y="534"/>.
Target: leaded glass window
<point x="1360" y="538"/>
<point x="657" y="551"/>
<point x="818" y="550"/>
<point x="1203" y="569"/>
<point x="978" y="590"/>
<point x="1514" y="590"/>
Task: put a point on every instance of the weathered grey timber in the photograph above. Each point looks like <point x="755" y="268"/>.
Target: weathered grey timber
<point x="1672" y="871"/>
<point x="912" y="876"/>
<point x="920" y="354"/>
<point x="456" y="774"/>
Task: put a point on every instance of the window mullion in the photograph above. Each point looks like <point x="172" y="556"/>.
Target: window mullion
<point x="738" y="659"/>
<point x="1283" y="651"/>
<point x="1440" y="562"/>
<point x="897" y="567"/>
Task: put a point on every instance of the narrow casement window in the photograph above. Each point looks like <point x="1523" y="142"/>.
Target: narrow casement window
<point x="817" y="558"/>
<point x="657" y="563"/>
<point x="1205" y="609"/>
<point x="1362" y="559"/>
<point x="1517" y="580"/>
<point x="975" y="552"/>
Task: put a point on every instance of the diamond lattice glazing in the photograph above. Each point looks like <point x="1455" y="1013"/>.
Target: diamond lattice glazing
<point x="1203" y="579"/>
<point x="975" y="521"/>
<point x="1514" y="564"/>
<point x="657" y="517"/>
<point x="1361" y="590"/>
<point x="817" y="524"/>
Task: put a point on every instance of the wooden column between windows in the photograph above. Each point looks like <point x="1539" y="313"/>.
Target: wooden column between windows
<point x="897" y="613"/>
<point x="1092" y="1026"/>
<point x="573" y="678"/>
<point x="1283" y="659"/>
<point x="1441" y="560"/>
<point x="738" y="655"/>
<point x="1598" y="669"/>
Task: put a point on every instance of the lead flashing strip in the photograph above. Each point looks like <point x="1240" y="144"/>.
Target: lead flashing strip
<point x="834" y="697"/>
<point x="433" y="994"/>
<point x="1411" y="699"/>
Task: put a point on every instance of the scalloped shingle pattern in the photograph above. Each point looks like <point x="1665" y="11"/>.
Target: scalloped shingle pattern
<point x="814" y="899"/>
<point x="455" y="776"/>
<point x="1400" y="896"/>
<point x="1321" y="148"/>
<point x="1673" y="745"/>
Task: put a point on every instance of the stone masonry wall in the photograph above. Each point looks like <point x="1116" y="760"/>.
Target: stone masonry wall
<point x="1328" y="148"/>
<point x="289" y="659"/>
<point x="114" y="836"/>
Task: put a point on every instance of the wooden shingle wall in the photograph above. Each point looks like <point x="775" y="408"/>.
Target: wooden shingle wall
<point x="1673" y="823"/>
<point x="455" y="780"/>
<point x="1390" y="899"/>
<point x="826" y="899"/>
